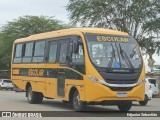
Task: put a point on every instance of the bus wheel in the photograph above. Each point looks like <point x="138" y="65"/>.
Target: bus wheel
<point x="77" y="104"/>
<point x="125" y="106"/>
<point x="34" y="97"/>
<point x="144" y="102"/>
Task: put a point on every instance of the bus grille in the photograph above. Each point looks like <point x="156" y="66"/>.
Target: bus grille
<point x="121" y="88"/>
<point x="129" y="81"/>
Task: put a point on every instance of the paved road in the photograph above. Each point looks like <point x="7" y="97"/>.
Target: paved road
<point x="16" y="101"/>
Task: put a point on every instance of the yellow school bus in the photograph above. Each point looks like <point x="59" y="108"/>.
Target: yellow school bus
<point x="80" y="66"/>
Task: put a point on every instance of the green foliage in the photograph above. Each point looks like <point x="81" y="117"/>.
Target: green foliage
<point x="23" y="27"/>
<point x="140" y="18"/>
<point x="150" y="46"/>
<point x="132" y="16"/>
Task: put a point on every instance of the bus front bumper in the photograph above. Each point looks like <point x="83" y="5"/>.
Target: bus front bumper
<point x="103" y="93"/>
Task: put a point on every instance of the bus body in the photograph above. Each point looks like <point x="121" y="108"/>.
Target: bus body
<point x="80" y="66"/>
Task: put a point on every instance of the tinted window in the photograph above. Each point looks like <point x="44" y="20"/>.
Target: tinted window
<point x="7" y="81"/>
<point x="39" y="48"/>
<point x="18" y="54"/>
<point x="52" y="53"/>
<point x="117" y="52"/>
<point x="78" y="57"/>
<point x="28" y="52"/>
<point x="63" y="53"/>
<point x="152" y="81"/>
<point x="39" y="51"/>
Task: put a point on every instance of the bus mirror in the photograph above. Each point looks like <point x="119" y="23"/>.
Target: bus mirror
<point x="76" y="46"/>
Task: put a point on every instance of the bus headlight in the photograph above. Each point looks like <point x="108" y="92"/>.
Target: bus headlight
<point x="96" y="80"/>
<point x="93" y="79"/>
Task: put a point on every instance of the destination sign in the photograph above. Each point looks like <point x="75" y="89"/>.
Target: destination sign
<point x="111" y="39"/>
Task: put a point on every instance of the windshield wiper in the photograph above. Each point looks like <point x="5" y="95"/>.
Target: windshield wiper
<point x="112" y="56"/>
<point x="126" y="58"/>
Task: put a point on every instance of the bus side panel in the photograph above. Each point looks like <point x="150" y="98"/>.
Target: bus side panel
<point x="19" y="83"/>
<point x="51" y="81"/>
<point x="78" y="84"/>
<point x="51" y="87"/>
<point x="37" y="84"/>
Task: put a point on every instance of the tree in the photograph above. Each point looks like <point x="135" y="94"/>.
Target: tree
<point x="23" y="27"/>
<point x="139" y="18"/>
<point x="2" y="51"/>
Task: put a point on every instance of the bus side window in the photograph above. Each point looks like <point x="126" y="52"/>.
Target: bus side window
<point x="39" y="52"/>
<point x="28" y="51"/>
<point x="78" y="58"/>
<point x="52" y="53"/>
<point x="18" y="53"/>
<point x="63" y="53"/>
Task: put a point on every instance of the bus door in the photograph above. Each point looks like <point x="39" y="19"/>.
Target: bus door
<point x="61" y="76"/>
<point x="61" y="84"/>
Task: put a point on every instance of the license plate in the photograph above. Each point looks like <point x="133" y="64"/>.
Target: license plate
<point x="121" y="94"/>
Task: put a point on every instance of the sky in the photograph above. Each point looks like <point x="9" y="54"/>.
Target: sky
<point x="12" y="9"/>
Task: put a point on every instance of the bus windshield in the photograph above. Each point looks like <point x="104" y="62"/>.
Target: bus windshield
<point x="113" y="51"/>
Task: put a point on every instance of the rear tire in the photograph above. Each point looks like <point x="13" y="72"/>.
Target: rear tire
<point x="143" y="103"/>
<point x="77" y="104"/>
<point x="34" y="97"/>
<point x="125" y="106"/>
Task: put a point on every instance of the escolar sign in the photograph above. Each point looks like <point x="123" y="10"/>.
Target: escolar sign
<point x="36" y="72"/>
<point x="111" y="39"/>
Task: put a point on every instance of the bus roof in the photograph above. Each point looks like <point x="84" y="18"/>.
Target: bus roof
<point x="70" y="30"/>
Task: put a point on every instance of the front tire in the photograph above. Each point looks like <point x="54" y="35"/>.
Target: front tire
<point x="143" y="103"/>
<point x="125" y="106"/>
<point x="77" y="104"/>
<point x="34" y="97"/>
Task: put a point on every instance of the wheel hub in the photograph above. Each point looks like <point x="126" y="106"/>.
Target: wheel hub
<point x="77" y="101"/>
<point x="29" y="95"/>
